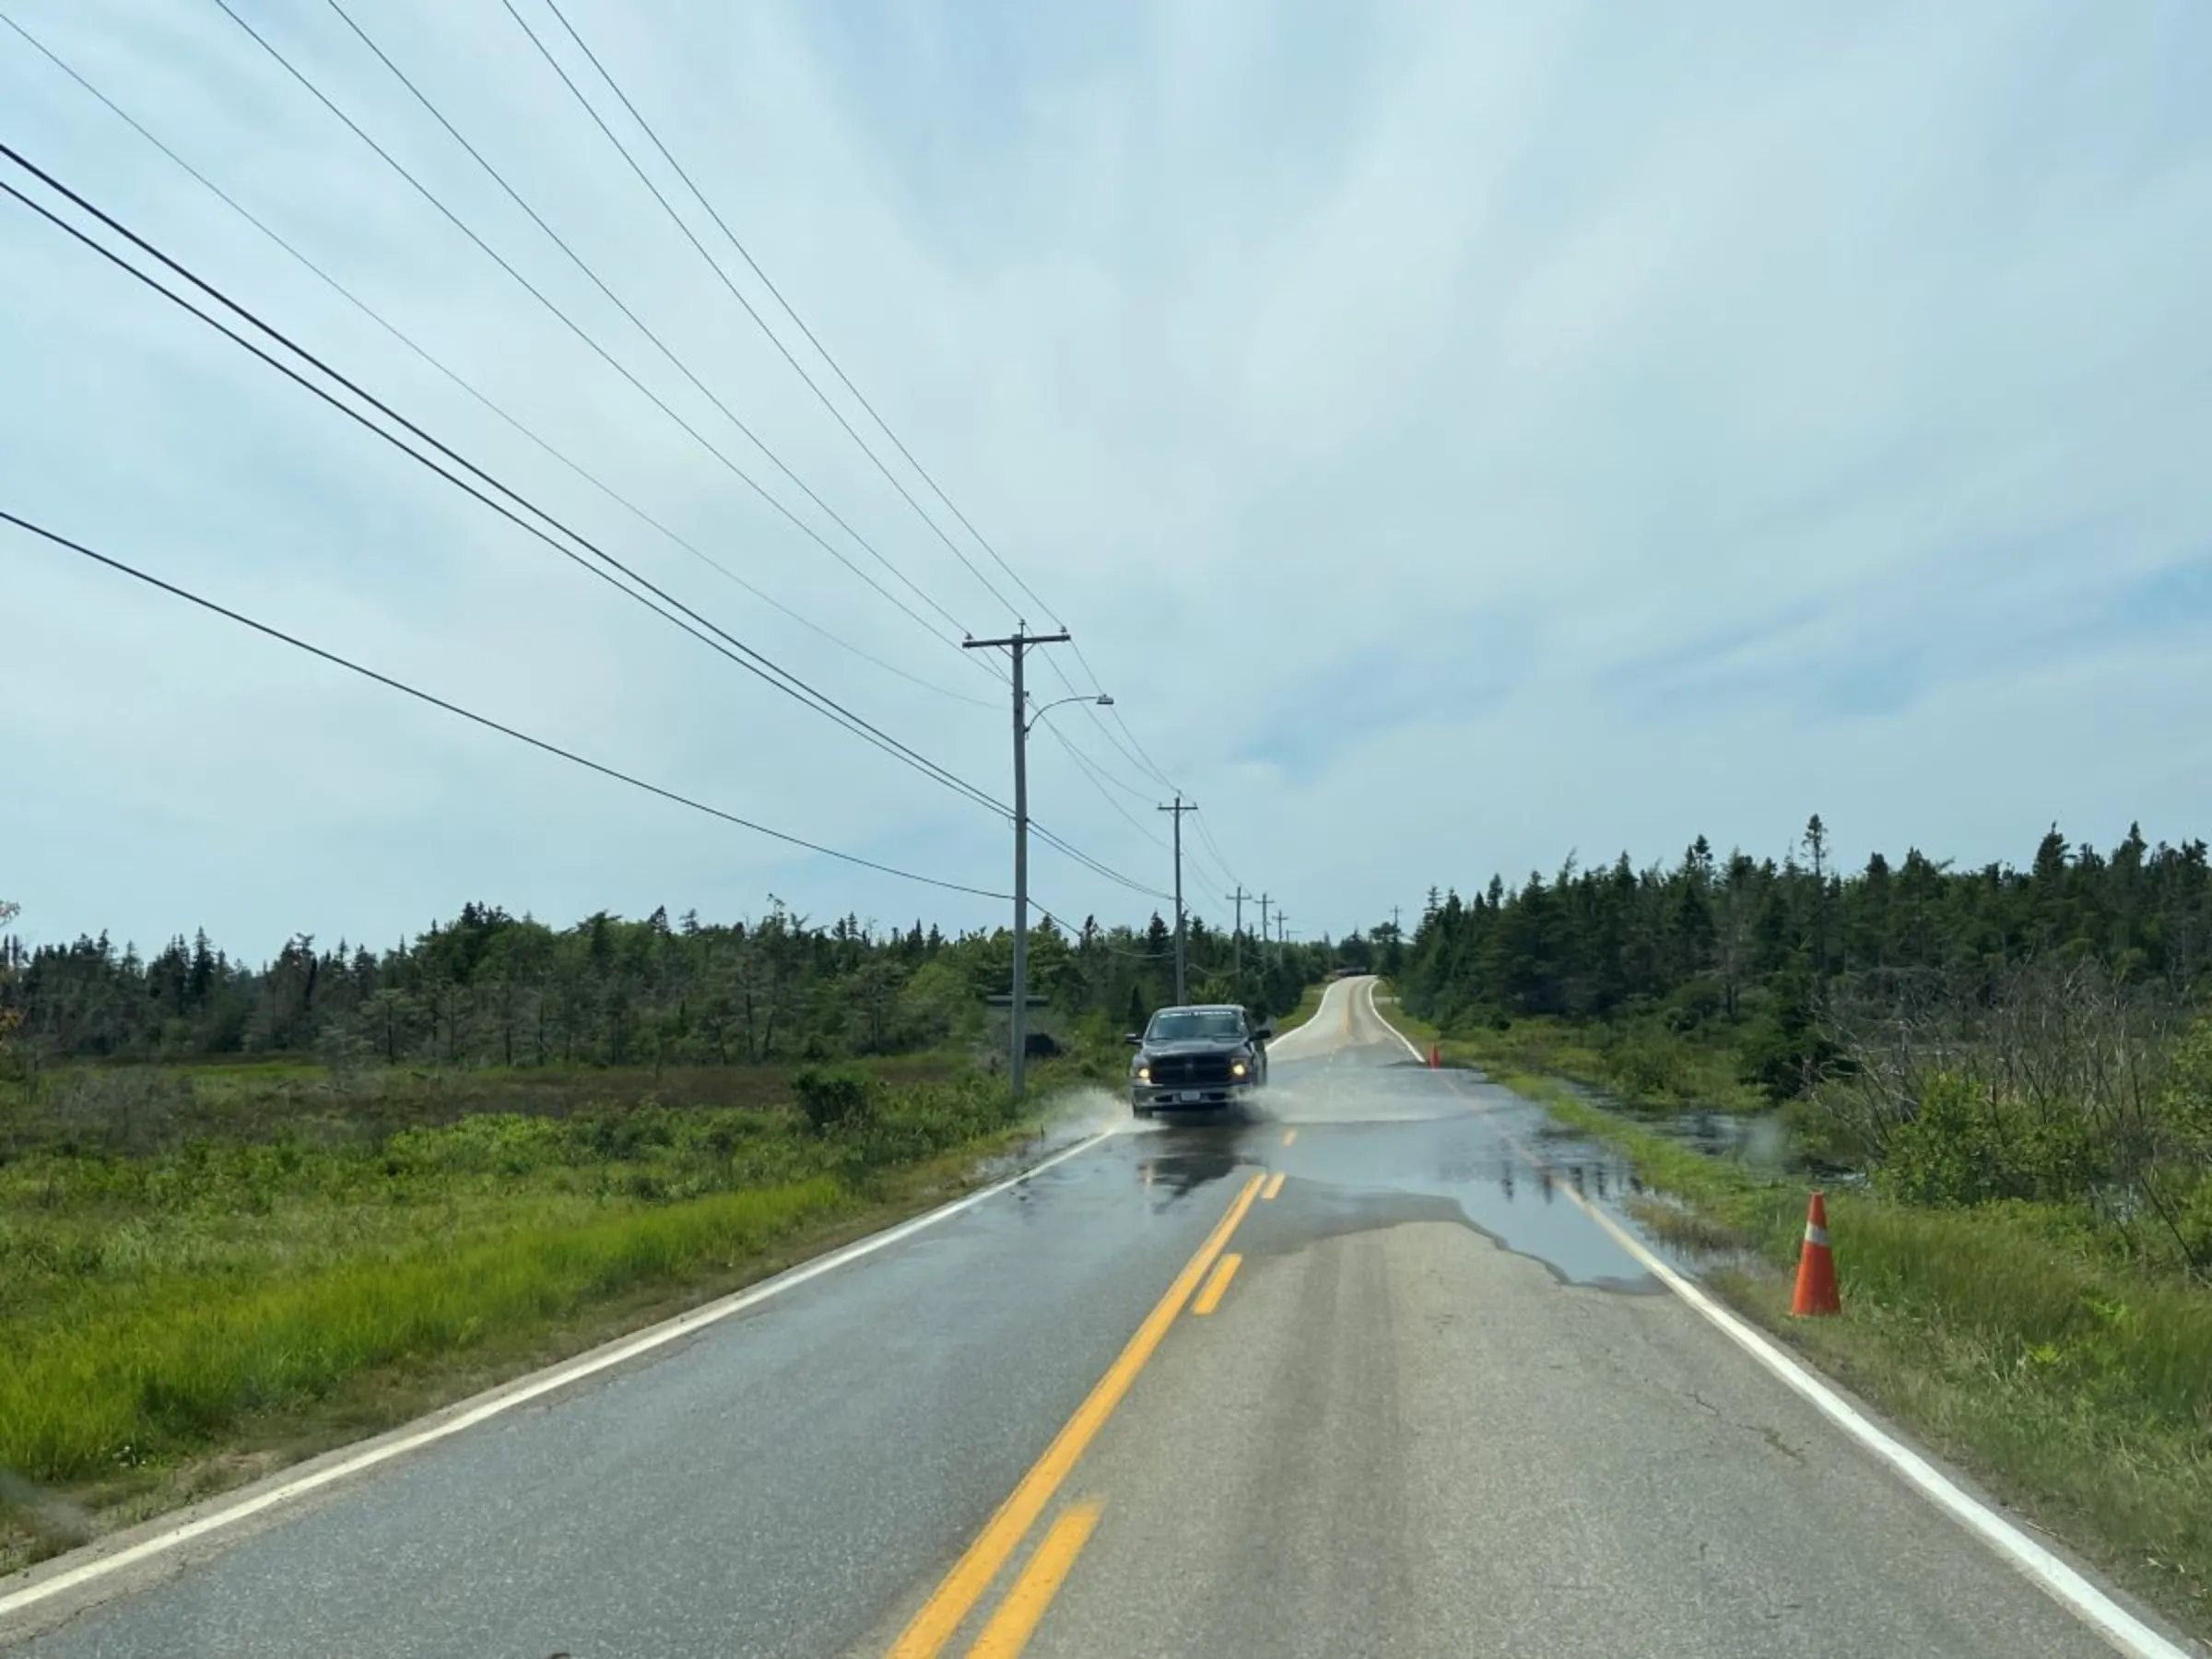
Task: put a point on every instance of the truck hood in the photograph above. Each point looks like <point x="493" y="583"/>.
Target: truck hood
<point x="1197" y="1045"/>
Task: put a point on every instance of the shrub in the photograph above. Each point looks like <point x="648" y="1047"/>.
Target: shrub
<point x="1969" y="1143"/>
<point x="835" y="1100"/>
<point x="1648" y="1062"/>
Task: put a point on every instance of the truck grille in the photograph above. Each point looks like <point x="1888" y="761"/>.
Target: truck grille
<point x="1186" y="1071"/>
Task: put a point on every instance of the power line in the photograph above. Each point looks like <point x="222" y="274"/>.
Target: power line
<point x="835" y="368"/>
<point x="1205" y="867"/>
<point x="1099" y="768"/>
<point x="767" y="669"/>
<point x="405" y="339"/>
<point x="774" y="674"/>
<point x="1090" y="864"/>
<point x="637" y="322"/>
<point x="483" y="719"/>
<point x="1143" y="754"/>
<point x="1100" y="943"/>
<point x="538" y="294"/>
<point x="803" y="693"/>
<point x="1142" y="758"/>
<point x="1100" y="720"/>
<point x="1213" y="847"/>
<point x="716" y="266"/>
<point x="1139" y="758"/>
<point x="1084" y="765"/>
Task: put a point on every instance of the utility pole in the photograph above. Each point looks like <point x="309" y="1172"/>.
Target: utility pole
<point x="1236" y="938"/>
<point x="1018" y="1012"/>
<point x="1264" y="903"/>
<point x="1181" y="806"/>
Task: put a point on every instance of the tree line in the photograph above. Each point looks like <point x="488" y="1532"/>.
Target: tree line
<point x="490" y="988"/>
<point x="1767" y="950"/>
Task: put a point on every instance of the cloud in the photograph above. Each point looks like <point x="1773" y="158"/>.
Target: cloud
<point x="1453" y="435"/>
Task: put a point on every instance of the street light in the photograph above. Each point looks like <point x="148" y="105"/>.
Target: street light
<point x="1102" y="699"/>
<point x="1023" y="725"/>
<point x="1019" y="1008"/>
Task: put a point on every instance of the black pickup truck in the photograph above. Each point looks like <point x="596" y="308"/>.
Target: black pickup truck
<point x="1197" y="1059"/>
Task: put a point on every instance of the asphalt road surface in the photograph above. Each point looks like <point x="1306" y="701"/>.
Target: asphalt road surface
<point x="1363" y="1374"/>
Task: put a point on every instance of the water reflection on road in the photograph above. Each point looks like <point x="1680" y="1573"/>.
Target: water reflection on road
<point x="1366" y="1141"/>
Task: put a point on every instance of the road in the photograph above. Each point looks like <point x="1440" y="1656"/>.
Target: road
<point x="1367" y="1374"/>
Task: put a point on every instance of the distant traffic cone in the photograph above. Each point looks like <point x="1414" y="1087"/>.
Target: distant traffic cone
<point x="1815" y="1265"/>
<point x="1436" y="1058"/>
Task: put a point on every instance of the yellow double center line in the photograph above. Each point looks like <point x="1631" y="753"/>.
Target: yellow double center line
<point x="972" y="1575"/>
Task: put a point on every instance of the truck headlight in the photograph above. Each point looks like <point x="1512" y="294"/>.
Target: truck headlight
<point x="1144" y="1074"/>
<point x="1237" y="1068"/>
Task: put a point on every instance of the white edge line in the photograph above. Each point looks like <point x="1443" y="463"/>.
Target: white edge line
<point x="1303" y="1028"/>
<point x="2129" y="1634"/>
<point x="630" y="1348"/>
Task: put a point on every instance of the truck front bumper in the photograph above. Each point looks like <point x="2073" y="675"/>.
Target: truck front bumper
<point x="1188" y="1097"/>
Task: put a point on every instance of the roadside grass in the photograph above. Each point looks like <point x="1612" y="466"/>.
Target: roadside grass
<point x="1642" y="1063"/>
<point x="146" y="1370"/>
<point x="1309" y="1004"/>
<point x="186" y="1319"/>
<point x="2010" y="1338"/>
<point x="138" y="1106"/>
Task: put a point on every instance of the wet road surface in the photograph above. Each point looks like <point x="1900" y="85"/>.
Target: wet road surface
<point x="1355" y="1376"/>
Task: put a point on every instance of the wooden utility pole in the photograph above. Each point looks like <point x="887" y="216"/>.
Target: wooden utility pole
<point x="1236" y="938"/>
<point x="1016" y="646"/>
<point x="1182" y="981"/>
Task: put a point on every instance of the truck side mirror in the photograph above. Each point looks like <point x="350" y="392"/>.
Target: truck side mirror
<point x="1136" y="1041"/>
<point x="1265" y="1035"/>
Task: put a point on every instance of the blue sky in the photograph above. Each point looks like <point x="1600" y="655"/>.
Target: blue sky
<point x="1456" y="435"/>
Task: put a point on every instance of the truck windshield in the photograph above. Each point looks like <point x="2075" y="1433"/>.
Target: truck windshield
<point x="1184" y="1025"/>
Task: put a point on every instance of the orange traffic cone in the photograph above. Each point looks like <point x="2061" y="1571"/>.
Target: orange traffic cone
<point x="1815" y="1265"/>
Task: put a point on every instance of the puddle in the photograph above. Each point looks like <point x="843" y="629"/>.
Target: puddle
<point x="1463" y="1170"/>
<point x="1378" y="1145"/>
<point x="1374" y="1143"/>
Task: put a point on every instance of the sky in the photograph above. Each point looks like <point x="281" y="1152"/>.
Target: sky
<point x="1455" y="436"/>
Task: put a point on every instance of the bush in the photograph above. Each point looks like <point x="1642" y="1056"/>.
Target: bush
<point x="1648" y="1063"/>
<point x="1970" y="1144"/>
<point x="835" y="1100"/>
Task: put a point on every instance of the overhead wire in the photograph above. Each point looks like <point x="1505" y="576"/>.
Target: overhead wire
<point x="1087" y="862"/>
<point x="1084" y="765"/>
<point x="681" y="367"/>
<point x="824" y="704"/>
<point x="1096" y="942"/>
<point x="745" y="656"/>
<point x="716" y="266"/>
<point x="1044" y="834"/>
<point x="436" y="701"/>
<point x="1143" y="766"/>
<point x="582" y="333"/>
<point x="1106" y="775"/>
<point x="1213" y="846"/>
<point x="697" y="195"/>
<point x="1139" y="758"/>
<point x="820" y="703"/>
<point x="464" y="384"/>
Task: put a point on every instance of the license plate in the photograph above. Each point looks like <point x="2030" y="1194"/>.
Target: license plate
<point x="1190" y="1097"/>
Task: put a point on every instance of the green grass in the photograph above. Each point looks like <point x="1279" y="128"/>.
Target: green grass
<point x="1639" y="1063"/>
<point x="2011" y="1338"/>
<point x="167" y="1365"/>
<point x="139" y="1107"/>
<point x="208" y="1302"/>
<point x="1309" y="1004"/>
